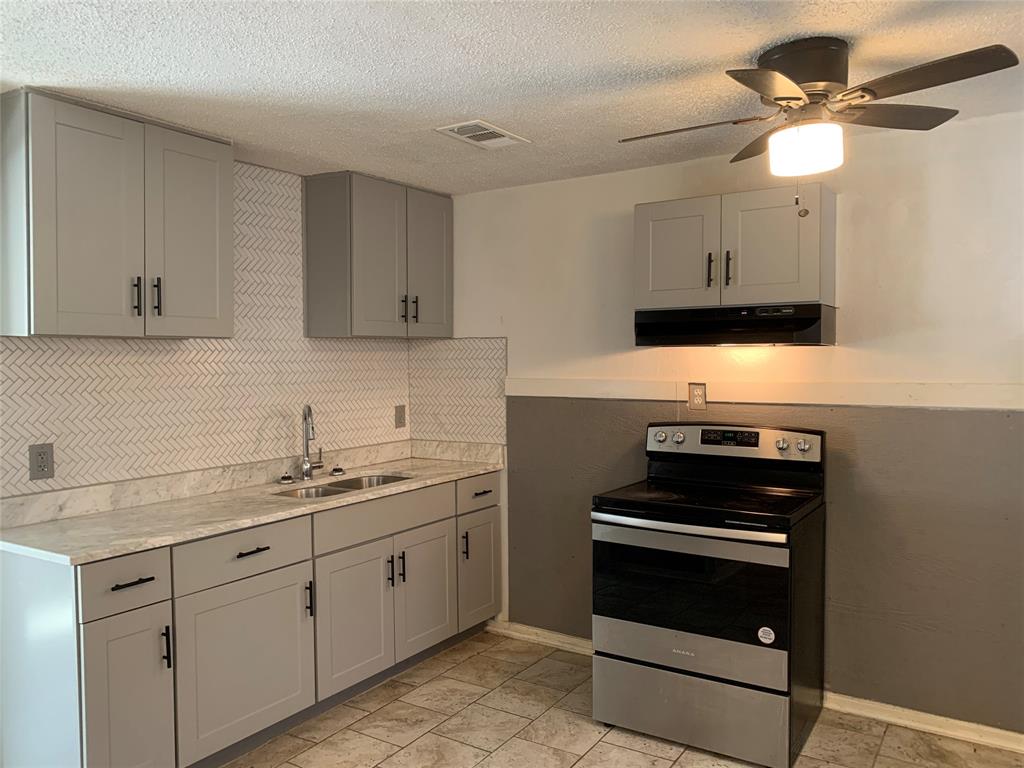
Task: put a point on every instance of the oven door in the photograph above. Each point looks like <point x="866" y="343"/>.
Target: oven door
<point x="712" y="606"/>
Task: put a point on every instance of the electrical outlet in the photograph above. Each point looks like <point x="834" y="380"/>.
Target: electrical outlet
<point x="399" y="416"/>
<point x="698" y="397"/>
<point x="40" y="461"/>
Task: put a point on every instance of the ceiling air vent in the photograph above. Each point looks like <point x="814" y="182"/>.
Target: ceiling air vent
<point x="482" y="134"/>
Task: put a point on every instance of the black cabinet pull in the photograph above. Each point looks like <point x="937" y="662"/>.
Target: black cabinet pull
<point x="251" y="552"/>
<point x="137" y="286"/>
<point x="415" y="309"/>
<point x="711" y="261"/>
<point x="391" y="570"/>
<point x="728" y="264"/>
<point x="166" y="635"/>
<point x="478" y="494"/>
<point x="310" y="606"/>
<point x="465" y="544"/>
<point x="158" y="302"/>
<point x="128" y="584"/>
<point x="401" y="566"/>
<point x="405" y="308"/>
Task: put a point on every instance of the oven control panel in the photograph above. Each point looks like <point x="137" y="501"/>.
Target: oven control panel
<point x="720" y="440"/>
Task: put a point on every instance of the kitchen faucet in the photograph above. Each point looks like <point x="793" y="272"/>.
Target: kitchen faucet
<point x="309" y="433"/>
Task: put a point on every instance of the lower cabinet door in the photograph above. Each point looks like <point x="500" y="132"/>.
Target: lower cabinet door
<point x="245" y="658"/>
<point x="128" y="690"/>
<point x="355" y="617"/>
<point x="479" y="566"/>
<point x="426" y="594"/>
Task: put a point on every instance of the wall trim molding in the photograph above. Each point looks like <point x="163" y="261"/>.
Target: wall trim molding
<point x="889" y="713"/>
<point x="839" y="393"/>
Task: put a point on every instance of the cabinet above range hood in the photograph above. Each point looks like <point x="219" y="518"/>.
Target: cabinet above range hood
<point x="807" y="324"/>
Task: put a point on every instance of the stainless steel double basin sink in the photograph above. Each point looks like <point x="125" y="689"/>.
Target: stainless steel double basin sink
<point x="342" y="486"/>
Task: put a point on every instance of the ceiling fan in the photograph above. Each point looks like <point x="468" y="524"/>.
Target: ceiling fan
<point x="806" y="81"/>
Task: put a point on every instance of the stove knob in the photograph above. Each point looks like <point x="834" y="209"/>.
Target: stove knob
<point x="782" y="444"/>
<point x="660" y="436"/>
<point x="678" y="438"/>
<point x="803" y="445"/>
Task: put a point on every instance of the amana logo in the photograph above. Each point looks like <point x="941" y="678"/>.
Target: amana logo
<point x="682" y="652"/>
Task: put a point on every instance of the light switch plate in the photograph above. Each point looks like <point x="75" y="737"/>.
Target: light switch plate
<point x="399" y="416"/>
<point x="697" y="400"/>
<point x="40" y="461"/>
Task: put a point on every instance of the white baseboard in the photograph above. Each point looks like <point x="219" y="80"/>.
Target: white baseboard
<point x="888" y="713"/>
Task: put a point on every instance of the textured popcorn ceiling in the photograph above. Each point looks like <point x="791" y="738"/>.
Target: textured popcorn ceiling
<point x="311" y="87"/>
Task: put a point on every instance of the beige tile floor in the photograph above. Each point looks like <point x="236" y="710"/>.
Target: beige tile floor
<point x="500" y="703"/>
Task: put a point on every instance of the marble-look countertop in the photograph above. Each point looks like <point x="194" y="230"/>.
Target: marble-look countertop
<point x="87" y="538"/>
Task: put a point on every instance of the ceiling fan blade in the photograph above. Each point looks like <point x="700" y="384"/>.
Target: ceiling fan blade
<point x="772" y="85"/>
<point x="757" y="147"/>
<point x="906" y="117"/>
<point x="980" y="61"/>
<point x="737" y="121"/>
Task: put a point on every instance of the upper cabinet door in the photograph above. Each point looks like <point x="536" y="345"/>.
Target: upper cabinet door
<point x="379" y="288"/>
<point x="676" y="252"/>
<point x="430" y="264"/>
<point x="86" y="203"/>
<point x="189" y="253"/>
<point x="772" y="253"/>
<point x="128" y="690"/>
<point x="426" y="594"/>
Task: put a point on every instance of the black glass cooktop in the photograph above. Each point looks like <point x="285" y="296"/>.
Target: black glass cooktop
<point x="703" y="504"/>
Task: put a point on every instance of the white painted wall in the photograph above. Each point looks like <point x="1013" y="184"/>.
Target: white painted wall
<point x="929" y="286"/>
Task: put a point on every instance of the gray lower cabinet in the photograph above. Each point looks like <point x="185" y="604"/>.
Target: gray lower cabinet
<point x="244" y="658"/>
<point x="426" y="595"/>
<point x="128" y="690"/>
<point x="355" y="622"/>
<point x="479" y="566"/>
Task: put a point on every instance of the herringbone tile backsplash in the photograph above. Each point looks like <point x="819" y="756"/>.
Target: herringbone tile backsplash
<point x="126" y="408"/>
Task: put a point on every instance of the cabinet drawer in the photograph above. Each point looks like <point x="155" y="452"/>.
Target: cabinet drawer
<point x="347" y="526"/>
<point x="123" y="583"/>
<point x="218" y="560"/>
<point x="478" y="492"/>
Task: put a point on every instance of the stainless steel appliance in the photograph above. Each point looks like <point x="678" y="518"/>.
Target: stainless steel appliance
<point x="709" y="591"/>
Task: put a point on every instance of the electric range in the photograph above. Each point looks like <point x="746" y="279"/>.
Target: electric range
<point x="708" y="592"/>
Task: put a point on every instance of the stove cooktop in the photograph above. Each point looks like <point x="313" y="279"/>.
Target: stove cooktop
<point x="702" y="504"/>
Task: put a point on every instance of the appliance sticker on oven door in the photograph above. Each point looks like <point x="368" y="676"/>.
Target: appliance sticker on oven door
<point x="766" y="635"/>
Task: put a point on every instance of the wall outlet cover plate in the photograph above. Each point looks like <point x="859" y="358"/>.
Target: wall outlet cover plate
<point x="697" y="400"/>
<point x="40" y="461"/>
<point x="399" y="416"/>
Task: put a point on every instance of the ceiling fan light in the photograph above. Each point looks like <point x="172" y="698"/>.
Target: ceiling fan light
<point x="806" y="149"/>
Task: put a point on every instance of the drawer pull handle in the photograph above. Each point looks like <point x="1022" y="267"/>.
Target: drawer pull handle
<point x="465" y="541"/>
<point x="251" y="552"/>
<point x="310" y="605"/>
<point x="391" y="570"/>
<point x="166" y="635"/>
<point x="129" y="584"/>
<point x="478" y="494"/>
<point x="401" y="567"/>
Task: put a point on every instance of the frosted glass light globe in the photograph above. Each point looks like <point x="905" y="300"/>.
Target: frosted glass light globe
<point x="805" y="149"/>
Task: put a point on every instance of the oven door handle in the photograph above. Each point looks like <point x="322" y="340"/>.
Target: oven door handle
<point x="696" y="539"/>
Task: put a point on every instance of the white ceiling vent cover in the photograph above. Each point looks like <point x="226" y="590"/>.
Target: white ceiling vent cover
<point x="482" y="134"/>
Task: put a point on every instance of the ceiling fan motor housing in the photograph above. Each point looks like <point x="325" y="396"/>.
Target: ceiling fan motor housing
<point x="819" y="65"/>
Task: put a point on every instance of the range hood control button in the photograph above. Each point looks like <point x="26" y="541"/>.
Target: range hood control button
<point x="678" y="438"/>
<point x="660" y="436"/>
<point x="782" y="444"/>
<point x="803" y="445"/>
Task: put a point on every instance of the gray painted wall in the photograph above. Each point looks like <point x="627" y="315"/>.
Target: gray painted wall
<point x="925" y="538"/>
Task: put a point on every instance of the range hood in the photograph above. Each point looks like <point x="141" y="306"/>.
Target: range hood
<point x="809" y="324"/>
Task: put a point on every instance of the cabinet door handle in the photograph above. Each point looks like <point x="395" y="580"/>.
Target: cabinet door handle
<point x="478" y="494"/>
<point x="415" y="309"/>
<point x="166" y="635"/>
<point x="251" y="552"/>
<point x="137" y="287"/>
<point x="401" y="566"/>
<point x="711" y="261"/>
<point x="405" y="308"/>
<point x="465" y="545"/>
<point x="728" y="264"/>
<point x="158" y="301"/>
<point x="310" y="606"/>
<point x="129" y="584"/>
<point x="391" y="570"/>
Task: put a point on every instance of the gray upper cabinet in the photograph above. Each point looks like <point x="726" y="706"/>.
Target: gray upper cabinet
<point x="772" y="246"/>
<point x="430" y="264"/>
<point x="99" y="210"/>
<point x="676" y="246"/>
<point x="378" y="258"/>
<point x="479" y="566"/>
<point x="426" y="595"/>
<point x="128" y="690"/>
<point x="189" y="252"/>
